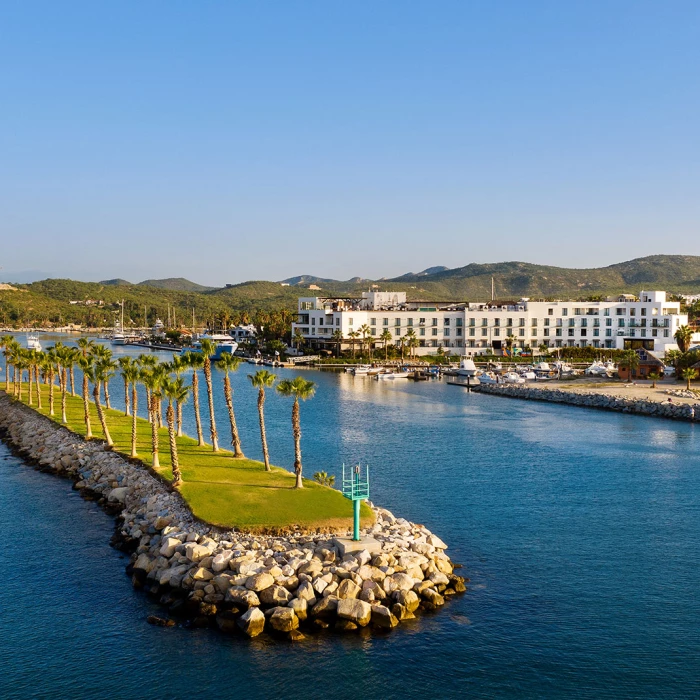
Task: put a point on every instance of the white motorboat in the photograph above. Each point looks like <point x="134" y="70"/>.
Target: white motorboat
<point x="33" y="343"/>
<point x="512" y="378"/>
<point x="486" y="378"/>
<point x="467" y="368"/>
<point x="360" y="370"/>
<point x="600" y="369"/>
<point x="393" y="375"/>
<point x="528" y="374"/>
<point x="224" y="343"/>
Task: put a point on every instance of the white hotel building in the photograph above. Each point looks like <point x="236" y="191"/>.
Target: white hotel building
<point x="477" y="328"/>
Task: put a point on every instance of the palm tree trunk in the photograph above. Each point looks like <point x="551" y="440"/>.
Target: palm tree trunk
<point x="38" y="388"/>
<point x="134" y="418"/>
<point x="19" y="386"/>
<point x="72" y="381"/>
<point x="86" y="408"/>
<point x="51" y="387"/>
<point x="148" y="404"/>
<point x="101" y="415"/>
<point x="296" y="429"/>
<point x="127" y="407"/>
<point x="31" y="385"/>
<point x="170" y="416"/>
<point x="235" y="438"/>
<point x="7" y="375"/>
<point x="154" y="433"/>
<point x="159" y="411"/>
<point x="64" y="392"/>
<point x="195" y="402"/>
<point x="210" y="395"/>
<point x="179" y="419"/>
<point x="263" y="435"/>
<point x="107" y="403"/>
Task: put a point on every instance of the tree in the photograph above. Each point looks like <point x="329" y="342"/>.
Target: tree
<point x="261" y="380"/>
<point x="298" y="338"/>
<point x="385" y="337"/>
<point x="174" y="390"/>
<point x="543" y="348"/>
<point x="73" y="355"/>
<point x="85" y="363"/>
<point x="688" y="374"/>
<point x="324" y="479"/>
<point x="229" y="363"/>
<point x="125" y="364"/>
<point x="338" y="340"/>
<point x="50" y="368"/>
<point x="654" y="376"/>
<point x="683" y="337"/>
<point x="132" y="376"/>
<point x="178" y="366"/>
<point x="100" y="372"/>
<point x="630" y="362"/>
<point x="672" y="357"/>
<point x="353" y="336"/>
<point x="411" y="341"/>
<point x="153" y="381"/>
<point x="6" y="343"/>
<point x="364" y="332"/>
<point x="208" y="349"/>
<point x="303" y="389"/>
<point x="195" y="361"/>
<point x="104" y="355"/>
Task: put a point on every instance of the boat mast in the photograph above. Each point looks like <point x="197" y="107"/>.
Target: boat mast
<point x="493" y="290"/>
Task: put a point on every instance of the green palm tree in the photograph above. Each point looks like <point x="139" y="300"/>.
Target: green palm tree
<point x="683" y="337"/>
<point x="85" y="363"/>
<point x="6" y="343"/>
<point x="303" y="389"/>
<point x="126" y="363"/>
<point x="20" y="363"/>
<point x="409" y="339"/>
<point x="147" y="363"/>
<point x="338" y="340"/>
<point x="195" y="360"/>
<point x="100" y="372"/>
<point x="688" y="373"/>
<point x="385" y="337"/>
<point x="175" y="391"/>
<point x="104" y="355"/>
<point x="64" y="358"/>
<point x="229" y="363"/>
<point x="353" y="336"/>
<point x="132" y="376"/>
<point x="298" y="338"/>
<point x="153" y="381"/>
<point x="364" y="332"/>
<point x="72" y="356"/>
<point x="630" y="362"/>
<point x="86" y="346"/>
<point x="654" y="376"/>
<point x="50" y="370"/>
<point x="178" y="366"/>
<point x="261" y="380"/>
<point x="208" y="349"/>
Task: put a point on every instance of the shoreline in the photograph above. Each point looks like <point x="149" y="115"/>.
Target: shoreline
<point x="636" y="399"/>
<point x="239" y="582"/>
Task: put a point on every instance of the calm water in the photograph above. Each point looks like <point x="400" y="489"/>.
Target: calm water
<point x="580" y="532"/>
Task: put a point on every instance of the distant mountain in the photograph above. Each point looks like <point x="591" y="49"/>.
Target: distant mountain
<point x="424" y="273"/>
<point x="176" y="284"/>
<point x="118" y="282"/>
<point x="308" y="279"/>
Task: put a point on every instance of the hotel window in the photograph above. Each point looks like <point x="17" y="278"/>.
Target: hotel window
<point x="608" y="332"/>
<point x="385" y="321"/>
<point x="496" y="321"/>
<point x="584" y="332"/>
<point x="313" y="321"/>
<point x="447" y="321"/>
<point x="565" y="312"/>
<point x="509" y="322"/>
<point x="397" y="331"/>
<point x="534" y="332"/>
<point x="533" y="323"/>
<point x="654" y="333"/>
<point x="458" y="322"/>
<point x="572" y="322"/>
<point x="631" y="332"/>
<point x="497" y="332"/>
<point x="421" y="321"/>
<point x="522" y="321"/>
<point x="633" y="312"/>
<point x="644" y="332"/>
<point x="665" y="334"/>
<point x="546" y="322"/>
<point x="422" y="331"/>
<point x="644" y="312"/>
<point x="559" y="332"/>
<point x="578" y="312"/>
<point x="620" y="322"/>
<point x="434" y="331"/>
<point x="337" y="321"/>
<point x="550" y="312"/>
<point x="521" y="332"/>
<point x="320" y="321"/>
<point x="584" y="322"/>
<point x="608" y="322"/>
<point x="307" y="305"/>
<point x="484" y="332"/>
<point x="546" y="332"/>
<point x="606" y="312"/>
<point x="447" y="332"/>
<point x="350" y="322"/>
<point x="471" y="331"/>
<point x="596" y="322"/>
<point x="410" y="322"/>
<point x="571" y="331"/>
<point x="373" y="322"/>
<point x="435" y="322"/>
<point x="620" y="312"/>
<point x="373" y="331"/>
<point x="397" y="322"/>
<point x="459" y="331"/>
<point x="472" y="321"/>
<point x="484" y="322"/>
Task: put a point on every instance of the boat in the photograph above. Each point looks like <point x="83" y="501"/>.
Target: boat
<point x="360" y="370"/>
<point x="512" y="378"/>
<point x="600" y="369"/>
<point x="486" y="378"/>
<point x="393" y="375"/>
<point x="33" y="343"/>
<point x="467" y="368"/>
<point x="224" y="344"/>
<point x="528" y="374"/>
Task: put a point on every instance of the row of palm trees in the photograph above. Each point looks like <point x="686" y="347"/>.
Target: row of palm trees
<point x="367" y="341"/>
<point x="161" y="380"/>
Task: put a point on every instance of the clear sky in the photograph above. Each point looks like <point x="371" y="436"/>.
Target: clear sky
<point x="227" y="141"/>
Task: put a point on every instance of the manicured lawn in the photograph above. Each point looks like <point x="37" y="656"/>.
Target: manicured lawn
<point x="220" y="489"/>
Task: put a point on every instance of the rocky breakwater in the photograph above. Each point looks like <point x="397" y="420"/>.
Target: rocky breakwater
<point x="240" y="582"/>
<point x="661" y="409"/>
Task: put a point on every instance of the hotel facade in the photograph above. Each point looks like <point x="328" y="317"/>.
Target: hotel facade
<point x="648" y="321"/>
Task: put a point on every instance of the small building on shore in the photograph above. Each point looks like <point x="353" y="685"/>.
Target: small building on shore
<point x="649" y="362"/>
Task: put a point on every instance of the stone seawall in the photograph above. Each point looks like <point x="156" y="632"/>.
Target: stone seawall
<point x="675" y="411"/>
<point x="238" y="582"/>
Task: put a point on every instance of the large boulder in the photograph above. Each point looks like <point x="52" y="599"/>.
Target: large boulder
<point x="168" y="546"/>
<point x="196" y="552"/>
<point x="259" y="582"/>
<point x="312" y="568"/>
<point x="252" y="622"/>
<point x="383" y="617"/>
<point x="306" y="591"/>
<point x="299" y="606"/>
<point x="398" y="582"/>
<point x="221" y="561"/>
<point x="326" y="607"/>
<point x="241" y="597"/>
<point x="275" y="595"/>
<point x="118" y="495"/>
<point x="348" y="589"/>
<point x="409" y="599"/>
<point x="284" y="619"/>
<point x="356" y="611"/>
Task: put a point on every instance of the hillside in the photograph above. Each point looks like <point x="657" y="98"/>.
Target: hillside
<point x="48" y="302"/>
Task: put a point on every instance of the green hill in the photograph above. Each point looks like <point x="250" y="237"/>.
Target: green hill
<point x="176" y="284"/>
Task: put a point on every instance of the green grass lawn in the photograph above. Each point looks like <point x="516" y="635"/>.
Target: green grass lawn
<point x="219" y="489"/>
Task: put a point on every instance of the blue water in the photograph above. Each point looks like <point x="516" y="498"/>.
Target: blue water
<point x="580" y="531"/>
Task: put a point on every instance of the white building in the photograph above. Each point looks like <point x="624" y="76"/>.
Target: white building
<point x="243" y="334"/>
<point x="462" y="328"/>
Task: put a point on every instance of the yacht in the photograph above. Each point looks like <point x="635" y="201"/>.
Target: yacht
<point x="33" y="342"/>
<point x="467" y="368"/>
<point x="224" y="343"/>
<point x="392" y="375"/>
<point x="512" y="378"/>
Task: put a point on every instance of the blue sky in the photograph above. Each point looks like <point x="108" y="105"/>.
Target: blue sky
<point x="226" y="141"/>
